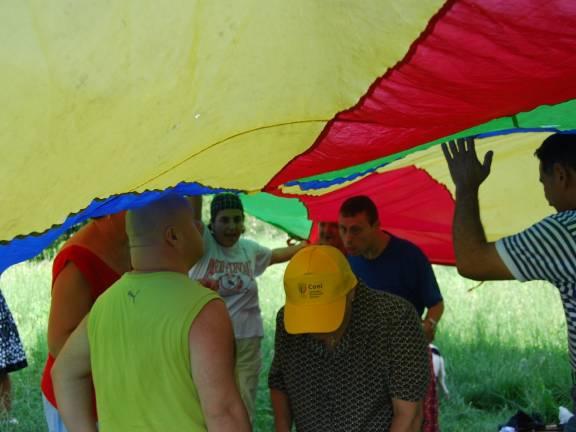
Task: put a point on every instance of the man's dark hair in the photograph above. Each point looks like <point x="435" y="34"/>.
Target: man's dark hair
<point x="558" y="148"/>
<point x="358" y="204"/>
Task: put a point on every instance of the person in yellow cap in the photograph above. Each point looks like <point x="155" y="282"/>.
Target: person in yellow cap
<point x="346" y="358"/>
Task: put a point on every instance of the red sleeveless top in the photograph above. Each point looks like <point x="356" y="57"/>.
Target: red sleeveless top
<point x="98" y="274"/>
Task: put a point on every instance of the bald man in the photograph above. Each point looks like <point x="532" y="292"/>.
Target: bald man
<point x="159" y="346"/>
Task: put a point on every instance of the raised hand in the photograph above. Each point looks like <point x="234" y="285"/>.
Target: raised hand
<point x="465" y="169"/>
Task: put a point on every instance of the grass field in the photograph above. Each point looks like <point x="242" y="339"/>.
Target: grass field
<point x="504" y="345"/>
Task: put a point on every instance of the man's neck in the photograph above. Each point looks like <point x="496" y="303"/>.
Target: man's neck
<point x="569" y="205"/>
<point x="380" y="243"/>
<point x="157" y="269"/>
<point x="150" y="261"/>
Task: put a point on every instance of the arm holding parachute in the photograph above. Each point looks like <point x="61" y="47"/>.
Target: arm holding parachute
<point x="476" y="258"/>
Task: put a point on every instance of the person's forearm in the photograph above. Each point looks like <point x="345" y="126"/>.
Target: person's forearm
<point x="467" y="230"/>
<point x="234" y="419"/>
<point x="284" y="254"/>
<point x="435" y="313"/>
<point x="431" y="320"/>
<point x="75" y="404"/>
<point x="406" y="423"/>
<point x="282" y="412"/>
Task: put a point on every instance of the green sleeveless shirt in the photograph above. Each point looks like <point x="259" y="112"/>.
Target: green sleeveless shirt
<point x="138" y="333"/>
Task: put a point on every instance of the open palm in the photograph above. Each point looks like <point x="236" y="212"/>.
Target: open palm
<point x="465" y="169"/>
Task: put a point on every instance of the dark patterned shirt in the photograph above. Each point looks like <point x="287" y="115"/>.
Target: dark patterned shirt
<point x="382" y="356"/>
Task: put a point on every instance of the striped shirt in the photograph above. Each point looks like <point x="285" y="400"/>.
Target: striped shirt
<point x="547" y="251"/>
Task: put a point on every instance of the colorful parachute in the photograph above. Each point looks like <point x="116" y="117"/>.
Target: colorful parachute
<point x="106" y="105"/>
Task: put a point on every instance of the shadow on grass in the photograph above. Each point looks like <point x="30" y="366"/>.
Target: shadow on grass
<point x="488" y="383"/>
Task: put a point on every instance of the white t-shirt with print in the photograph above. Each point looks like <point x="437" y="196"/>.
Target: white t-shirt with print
<point x="235" y="270"/>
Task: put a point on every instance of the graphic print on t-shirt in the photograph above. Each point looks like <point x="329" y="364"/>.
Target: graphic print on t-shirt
<point x="230" y="278"/>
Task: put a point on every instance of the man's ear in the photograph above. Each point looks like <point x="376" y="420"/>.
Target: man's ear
<point x="171" y="235"/>
<point x="570" y="176"/>
<point x="561" y="174"/>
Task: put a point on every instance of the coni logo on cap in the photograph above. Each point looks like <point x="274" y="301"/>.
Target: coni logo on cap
<point x="311" y="289"/>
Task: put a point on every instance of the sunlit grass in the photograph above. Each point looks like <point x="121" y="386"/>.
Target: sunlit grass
<point x="26" y="288"/>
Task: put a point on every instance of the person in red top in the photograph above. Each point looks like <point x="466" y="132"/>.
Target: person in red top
<point x="88" y="263"/>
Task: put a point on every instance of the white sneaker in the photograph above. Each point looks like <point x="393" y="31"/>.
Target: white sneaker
<point x="564" y="415"/>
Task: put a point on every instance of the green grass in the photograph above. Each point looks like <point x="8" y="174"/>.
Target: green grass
<point x="26" y="288"/>
<point x="504" y="345"/>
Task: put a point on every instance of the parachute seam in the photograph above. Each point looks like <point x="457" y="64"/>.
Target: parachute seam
<point x="211" y="146"/>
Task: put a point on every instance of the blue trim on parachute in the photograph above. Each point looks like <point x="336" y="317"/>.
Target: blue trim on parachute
<point x="24" y="248"/>
<point x="524" y="130"/>
<point x="323" y="184"/>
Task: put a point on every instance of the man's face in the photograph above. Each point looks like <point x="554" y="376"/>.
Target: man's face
<point x="328" y="234"/>
<point x="228" y="226"/>
<point x="357" y="234"/>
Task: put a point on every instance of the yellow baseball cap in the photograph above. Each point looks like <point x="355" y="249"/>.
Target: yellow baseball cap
<point x="316" y="282"/>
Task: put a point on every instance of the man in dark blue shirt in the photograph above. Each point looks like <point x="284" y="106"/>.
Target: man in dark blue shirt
<point x="388" y="263"/>
<point x="393" y="265"/>
<point x="401" y="269"/>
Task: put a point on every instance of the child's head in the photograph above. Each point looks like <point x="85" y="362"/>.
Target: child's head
<point x="226" y="219"/>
